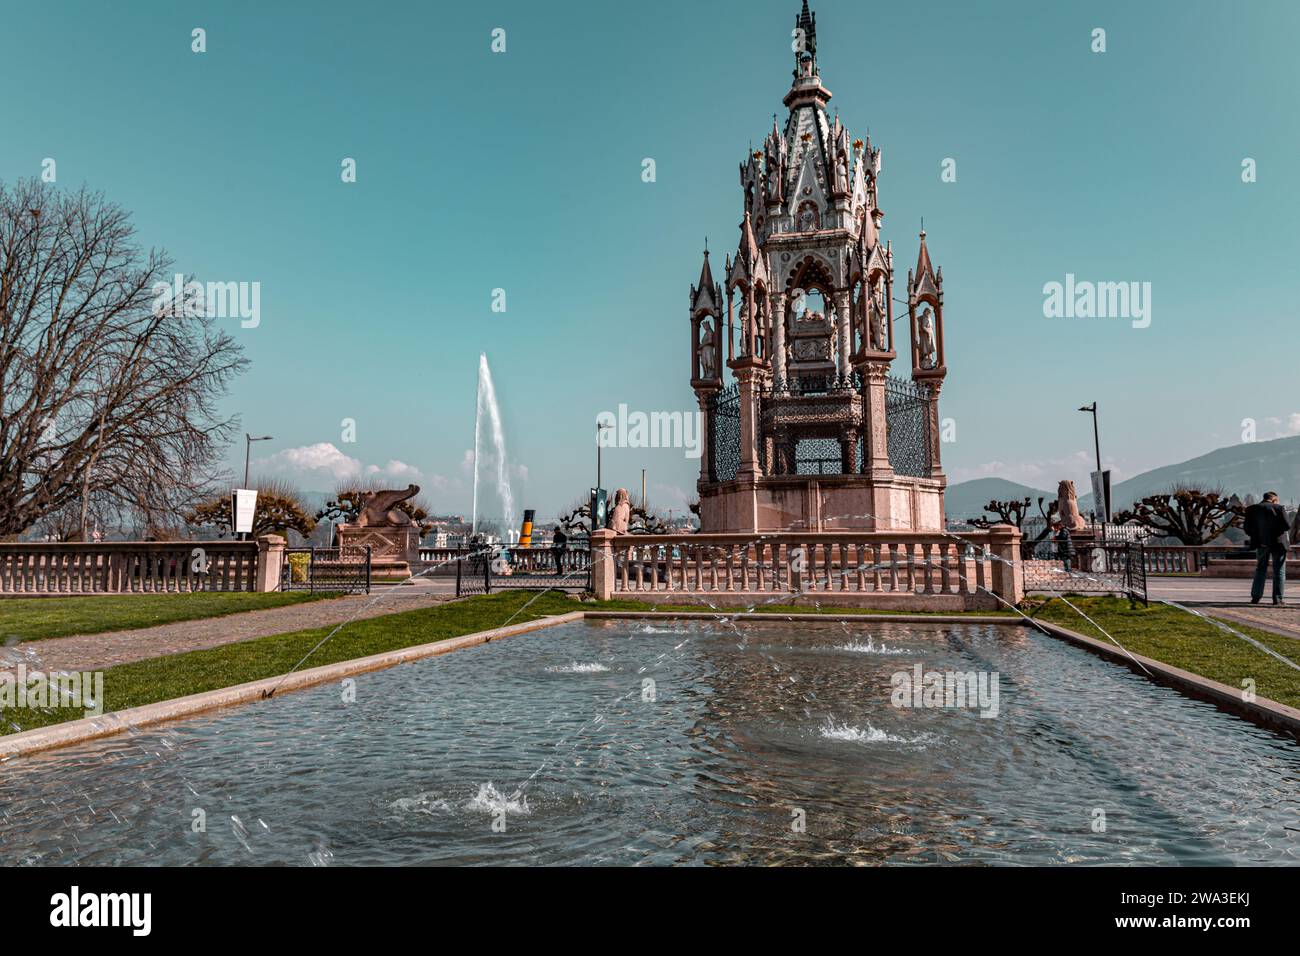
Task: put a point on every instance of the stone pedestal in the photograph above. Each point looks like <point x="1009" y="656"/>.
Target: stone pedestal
<point x="270" y="561"/>
<point x="392" y="549"/>
<point x="822" y="503"/>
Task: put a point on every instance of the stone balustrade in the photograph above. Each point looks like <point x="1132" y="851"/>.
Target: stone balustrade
<point x="139" y="566"/>
<point x="903" y="570"/>
<point x="1206" y="560"/>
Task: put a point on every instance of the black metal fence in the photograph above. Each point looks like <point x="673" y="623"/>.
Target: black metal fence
<point x="724" y="436"/>
<point x="907" y="414"/>
<point x="326" y="569"/>
<point x="1114" y="567"/>
<point x="907" y="417"/>
<point x="492" y="569"/>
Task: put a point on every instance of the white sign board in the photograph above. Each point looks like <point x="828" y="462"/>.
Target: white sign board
<point x="243" y="504"/>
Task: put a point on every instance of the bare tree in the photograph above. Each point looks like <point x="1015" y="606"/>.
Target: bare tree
<point x="279" y="510"/>
<point x="1188" y="514"/>
<point x="1014" y="512"/>
<point x="103" y="396"/>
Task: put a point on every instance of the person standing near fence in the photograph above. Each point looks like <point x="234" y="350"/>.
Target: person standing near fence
<point x="1064" y="545"/>
<point x="1266" y="526"/>
<point x="559" y="544"/>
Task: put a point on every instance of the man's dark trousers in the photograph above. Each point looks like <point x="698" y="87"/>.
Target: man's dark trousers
<point x="1261" y="569"/>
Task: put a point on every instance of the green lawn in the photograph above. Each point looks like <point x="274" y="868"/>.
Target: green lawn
<point x="178" y="675"/>
<point x="31" y="619"/>
<point x="1184" y="640"/>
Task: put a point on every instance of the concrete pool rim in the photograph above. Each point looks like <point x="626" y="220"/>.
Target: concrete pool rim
<point x="1261" y="711"/>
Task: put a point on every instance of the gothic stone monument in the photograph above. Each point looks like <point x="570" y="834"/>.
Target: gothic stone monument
<point x="814" y="433"/>
<point x="393" y="539"/>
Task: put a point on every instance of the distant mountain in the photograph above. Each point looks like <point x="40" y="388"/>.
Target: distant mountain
<point x="966" y="499"/>
<point x="1249" y="468"/>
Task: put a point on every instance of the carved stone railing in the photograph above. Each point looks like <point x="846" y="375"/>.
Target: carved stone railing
<point x="919" y="570"/>
<point x="1205" y="560"/>
<point x="124" y="567"/>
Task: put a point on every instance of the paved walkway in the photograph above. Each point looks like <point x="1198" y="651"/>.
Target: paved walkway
<point x="1229" y="600"/>
<point x="90" y="652"/>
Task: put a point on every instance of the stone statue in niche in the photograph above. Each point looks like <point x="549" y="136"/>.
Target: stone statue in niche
<point x="807" y="218"/>
<point x="927" y="351"/>
<point x="708" y="351"/>
<point x="879" y="330"/>
<point x="621" y="513"/>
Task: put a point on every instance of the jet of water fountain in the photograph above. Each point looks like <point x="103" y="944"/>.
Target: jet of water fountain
<point x="487" y="402"/>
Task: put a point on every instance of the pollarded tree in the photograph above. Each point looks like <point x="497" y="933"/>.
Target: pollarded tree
<point x="641" y="521"/>
<point x="102" y="396"/>
<point x="1188" y="514"/>
<point x="279" y="509"/>
<point x="1014" y="512"/>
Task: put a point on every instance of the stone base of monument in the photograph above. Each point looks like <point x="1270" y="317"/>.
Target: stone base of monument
<point x="823" y="503"/>
<point x="392" y="549"/>
<point x="868" y="600"/>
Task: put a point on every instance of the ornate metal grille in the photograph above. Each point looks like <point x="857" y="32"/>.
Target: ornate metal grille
<point x="724" y="434"/>
<point x="907" y="413"/>
<point x="817" y="456"/>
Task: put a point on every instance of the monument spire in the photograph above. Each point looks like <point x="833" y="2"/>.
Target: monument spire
<point x="805" y="34"/>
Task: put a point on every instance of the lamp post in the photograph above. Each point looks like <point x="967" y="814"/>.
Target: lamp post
<point x="600" y="427"/>
<point x="1097" y="506"/>
<point x="1096" y="441"/>
<point x="248" y="446"/>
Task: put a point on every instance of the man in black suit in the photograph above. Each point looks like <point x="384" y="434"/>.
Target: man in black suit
<point x="1266" y="526"/>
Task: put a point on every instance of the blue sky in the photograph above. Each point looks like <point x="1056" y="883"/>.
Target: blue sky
<point x="522" y="171"/>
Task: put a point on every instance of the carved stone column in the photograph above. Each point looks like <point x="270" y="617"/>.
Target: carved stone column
<point x="875" y="456"/>
<point x="936" y="436"/>
<point x="706" y="434"/>
<point x="849" y="451"/>
<point x="777" y="306"/>
<point x="747" y="374"/>
<point x="843" y="329"/>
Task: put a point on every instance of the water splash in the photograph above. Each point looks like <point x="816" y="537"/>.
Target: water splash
<point x="490" y="800"/>
<point x="831" y="730"/>
<point x="577" y="668"/>
<point x="487" y="402"/>
<point x="869" y="647"/>
<point x="846" y="732"/>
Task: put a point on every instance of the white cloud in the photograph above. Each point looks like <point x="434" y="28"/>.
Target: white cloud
<point x="318" y="460"/>
<point x="324" y="461"/>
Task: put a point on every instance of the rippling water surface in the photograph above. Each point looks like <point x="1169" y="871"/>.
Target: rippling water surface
<point x="754" y="743"/>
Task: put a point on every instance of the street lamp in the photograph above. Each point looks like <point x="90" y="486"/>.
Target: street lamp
<point x="1096" y="441"/>
<point x="248" y="446"/>
<point x="1099" y="487"/>
<point x="600" y="427"/>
